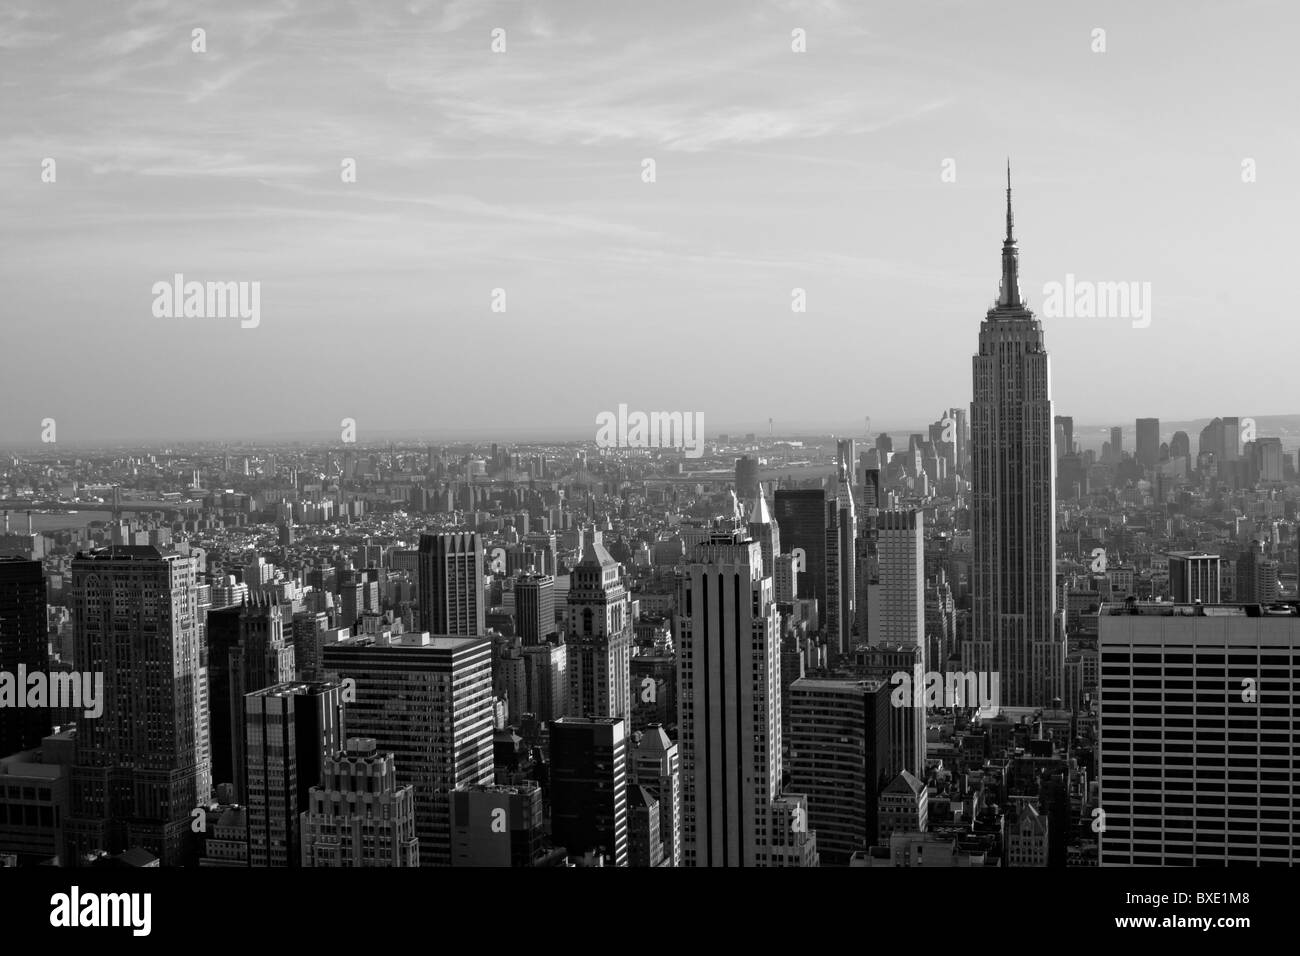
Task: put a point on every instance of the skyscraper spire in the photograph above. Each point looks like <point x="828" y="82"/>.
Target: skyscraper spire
<point x="1010" y="292"/>
<point x="1010" y="219"/>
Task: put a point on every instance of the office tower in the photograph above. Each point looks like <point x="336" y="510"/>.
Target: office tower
<point x="1198" y="761"/>
<point x="292" y="728"/>
<point x="451" y="586"/>
<point x="746" y="478"/>
<point x="1257" y="577"/>
<point x="801" y="515"/>
<point x="24" y="641"/>
<point x="589" y="786"/>
<point x="599" y="638"/>
<point x="896" y="601"/>
<point x="429" y="701"/>
<point x="1066" y="424"/>
<point x="839" y="756"/>
<point x="841" y="599"/>
<point x="655" y="765"/>
<point x="534" y="608"/>
<point x="884" y="662"/>
<point x="729" y="705"/>
<point x="1148" y="442"/>
<point x="546" y="680"/>
<point x="1231" y="438"/>
<point x="1194" y="576"/>
<point x="1013" y="501"/>
<point x="1117" y="443"/>
<point x="308" y="628"/>
<point x="359" y="815"/>
<point x="765" y="530"/>
<point x="139" y="767"/>
<point x="246" y="652"/>
<point x="497" y="825"/>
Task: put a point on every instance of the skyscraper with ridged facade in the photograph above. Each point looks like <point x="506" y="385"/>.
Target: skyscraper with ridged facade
<point x="1014" y="627"/>
<point x="734" y="812"/>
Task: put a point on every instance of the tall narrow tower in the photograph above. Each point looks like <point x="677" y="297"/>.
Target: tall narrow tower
<point x="1014" y="509"/>
<point x="598" y="640"/>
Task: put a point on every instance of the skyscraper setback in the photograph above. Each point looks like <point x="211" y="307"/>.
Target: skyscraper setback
<point x="1014" y="508"/>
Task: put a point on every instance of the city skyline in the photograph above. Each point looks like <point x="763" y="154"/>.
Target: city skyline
<point x="563" y="434"/>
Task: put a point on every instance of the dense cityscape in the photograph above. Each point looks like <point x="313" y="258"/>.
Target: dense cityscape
<point x="994" y="642"/>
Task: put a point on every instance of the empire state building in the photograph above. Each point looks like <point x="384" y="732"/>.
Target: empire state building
<point x="1014" y="627"/>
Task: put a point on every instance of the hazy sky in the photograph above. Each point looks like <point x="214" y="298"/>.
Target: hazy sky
<point x="522" y="170"/>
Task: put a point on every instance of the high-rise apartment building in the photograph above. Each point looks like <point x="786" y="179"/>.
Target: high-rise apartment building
<point x="1015" y="631"/>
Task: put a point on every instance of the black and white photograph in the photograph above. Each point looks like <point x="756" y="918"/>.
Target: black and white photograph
<point x="648" y="434"/>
